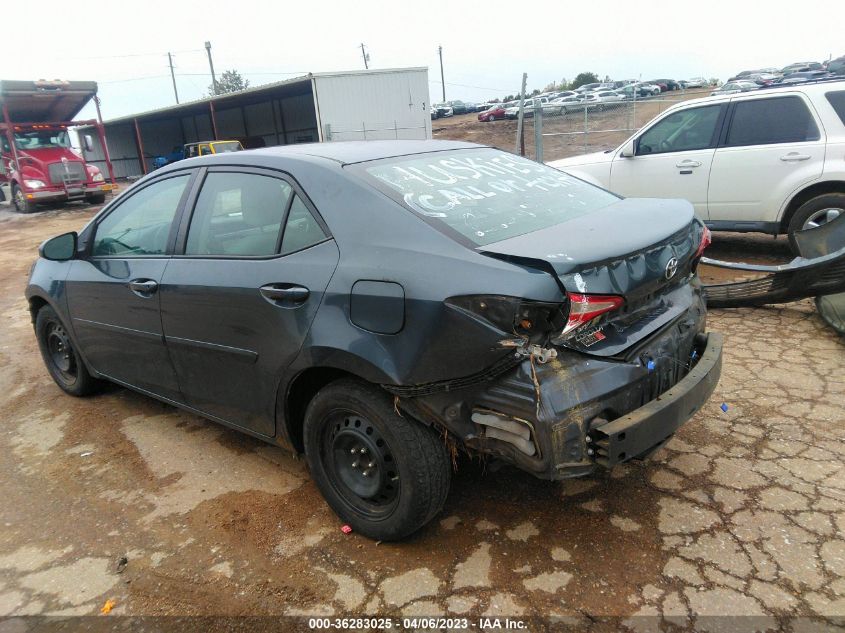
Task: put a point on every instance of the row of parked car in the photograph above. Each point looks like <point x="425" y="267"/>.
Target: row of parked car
<point x="798" y="72"/>
<point x="593" y="96"/>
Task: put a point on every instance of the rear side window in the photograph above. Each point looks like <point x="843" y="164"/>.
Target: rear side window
<point x="837" y="100"/>
<point x="239" y="215"/>
<point x="140" y="225"/>
<point x="481" y="196"/>
<point x="301" y="229"/>
<point x="768" y="121"/>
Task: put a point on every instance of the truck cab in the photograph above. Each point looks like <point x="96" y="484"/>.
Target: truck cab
<point x="37" y="162"/>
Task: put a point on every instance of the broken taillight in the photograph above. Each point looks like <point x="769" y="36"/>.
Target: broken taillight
<point x="706" y="240"/>
<point x="584" y="308"/>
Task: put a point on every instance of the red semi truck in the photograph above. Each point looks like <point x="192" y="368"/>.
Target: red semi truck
<point x="37" y="163"/>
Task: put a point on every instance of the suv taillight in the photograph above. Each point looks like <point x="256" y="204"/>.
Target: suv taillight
<point x="584" y="308"/>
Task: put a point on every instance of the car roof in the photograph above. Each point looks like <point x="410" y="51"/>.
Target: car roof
<point x="347" y="152"/>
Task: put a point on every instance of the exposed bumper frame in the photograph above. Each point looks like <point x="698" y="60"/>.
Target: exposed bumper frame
<point x="647" y="427"/>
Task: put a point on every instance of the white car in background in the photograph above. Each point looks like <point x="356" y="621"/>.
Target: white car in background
<point x="513" y="112"/>
<point x="769" y="161"/>
<point x="732" y="87"/>
<point x="695" y="82"/>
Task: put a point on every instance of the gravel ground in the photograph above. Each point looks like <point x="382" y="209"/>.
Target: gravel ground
<point x="741" y="516"/>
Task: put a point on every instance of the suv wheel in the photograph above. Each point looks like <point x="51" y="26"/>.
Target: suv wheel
<point x="818" y="211"/>
<point x="383" y="474"/>
<point x="62" y="360"/>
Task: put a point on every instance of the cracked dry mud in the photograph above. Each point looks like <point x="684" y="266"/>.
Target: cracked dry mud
<point x="742" y="514"/>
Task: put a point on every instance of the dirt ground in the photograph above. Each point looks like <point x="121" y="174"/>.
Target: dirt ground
<point x="736" y="525"/>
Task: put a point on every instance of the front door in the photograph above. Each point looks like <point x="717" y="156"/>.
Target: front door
<point x="672" y="158"/>
<point x="113" y="293"/>
<point x="237" y="305"/>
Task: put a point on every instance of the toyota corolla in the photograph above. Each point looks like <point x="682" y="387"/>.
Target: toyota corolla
<point x="380" y="305"/>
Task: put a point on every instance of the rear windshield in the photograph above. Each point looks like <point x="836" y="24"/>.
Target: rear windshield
<point x="485" y="195"/>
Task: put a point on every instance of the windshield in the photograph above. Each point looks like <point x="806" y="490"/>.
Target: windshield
<point x="230" y="146"/>
<point x="485" y="195"/>
<point x="41" y="139"/>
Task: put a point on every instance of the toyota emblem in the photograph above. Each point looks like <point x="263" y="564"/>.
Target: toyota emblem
<point x="671" y="268"/>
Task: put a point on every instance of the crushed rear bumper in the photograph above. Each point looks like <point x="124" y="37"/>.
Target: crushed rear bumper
<point x="648" y="427"/>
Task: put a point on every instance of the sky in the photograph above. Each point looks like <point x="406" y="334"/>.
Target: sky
<point x="486" y="45"/>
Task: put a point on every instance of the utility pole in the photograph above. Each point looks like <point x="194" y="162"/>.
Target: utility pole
<point x="366" y="57"/>
<point x="520" y="136"/>
<point x="211" y="65"/>
<point x="442" y="81"/>
<point x="173" y="76"/>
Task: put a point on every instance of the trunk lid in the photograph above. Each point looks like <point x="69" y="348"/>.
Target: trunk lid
<point x="639" y="249"/>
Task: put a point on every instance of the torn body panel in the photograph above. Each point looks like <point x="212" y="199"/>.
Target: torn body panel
<point x="818" y="270"/>
<point x="545" y="417"/>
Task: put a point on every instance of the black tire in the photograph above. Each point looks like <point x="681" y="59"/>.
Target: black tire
<point x="22" y="205"/>
<point x="827" y="206"/>
<point x="813" y="207"/>
<point x="98" y="199"/>
<point x="408" y="468"/>
<point x="61" y="358"/>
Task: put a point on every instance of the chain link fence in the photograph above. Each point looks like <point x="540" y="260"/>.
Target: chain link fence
<point x="571" y="128"/>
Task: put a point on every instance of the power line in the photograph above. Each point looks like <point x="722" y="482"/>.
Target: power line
<point x="189" y="50"/>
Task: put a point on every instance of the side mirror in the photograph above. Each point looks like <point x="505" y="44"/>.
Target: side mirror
<point x="628" y="149"/>
<point x="60" y="248"/>
<point x="89" y="143"/>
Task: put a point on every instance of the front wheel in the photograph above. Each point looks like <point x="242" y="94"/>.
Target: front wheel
<point x="382" y="473"/>
<point x="22" y="204"/>
<point x="61" y="358"/>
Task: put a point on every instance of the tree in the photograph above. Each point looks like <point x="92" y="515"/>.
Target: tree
<point x="535" y="92"/>
<point x="583" y="78"/>
<point x="229" y="81"/>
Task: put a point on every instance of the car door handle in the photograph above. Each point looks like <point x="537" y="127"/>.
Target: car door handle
<point x="285" y="293"/>
<point x="686" y="164"/>
<point x="143" y="287"/>
<point x="794" y="157"/>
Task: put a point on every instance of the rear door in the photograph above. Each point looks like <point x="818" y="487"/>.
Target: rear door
<point x="255" y="259"/>
<point x="771" y="146"/>
<point x="113" y="293"/>
<point x="672" y="158"/>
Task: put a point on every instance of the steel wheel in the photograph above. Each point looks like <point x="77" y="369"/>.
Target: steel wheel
<point x="60" y="352"/>
<point x="360" y="464"/>
<point x="822" y="217"/>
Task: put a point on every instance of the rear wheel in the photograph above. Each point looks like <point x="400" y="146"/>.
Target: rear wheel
<point x="22" y="205"/>
<point x="818" y="211"/>
<point x="62" y="360"/>
<point x="97" y="199"/>
<point x="383" y="474"/>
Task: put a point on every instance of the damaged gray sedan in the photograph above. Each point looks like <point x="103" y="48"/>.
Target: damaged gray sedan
<point x="377" y="305"/>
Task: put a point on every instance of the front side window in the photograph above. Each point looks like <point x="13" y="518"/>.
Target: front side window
<point x="682" y="131"/>
<point x="481" y="196"/>
<point x="768" y="121"/>
<point x="140" y="225"/>
<point x="238" y="214"/>
<point x="205" y="149"/>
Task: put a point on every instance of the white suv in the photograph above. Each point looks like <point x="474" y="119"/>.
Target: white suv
<point x="771" y="161"/>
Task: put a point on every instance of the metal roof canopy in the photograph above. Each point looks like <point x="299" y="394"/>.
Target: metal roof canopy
<point x="45" y="101"/>
<point x="256" y="94"/>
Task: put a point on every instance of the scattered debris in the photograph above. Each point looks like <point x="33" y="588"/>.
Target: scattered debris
<point x="108" y="606"/>
<point x="122" y="562"/>
<point x="724" y="407"/>
<point x="86" y="454"/>
<point x="346" y="529"/>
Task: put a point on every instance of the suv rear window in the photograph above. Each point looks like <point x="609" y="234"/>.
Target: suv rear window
<point x="837" y="100"/>
<point x="481" y="196"/>
<point x="768" y="121"/>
